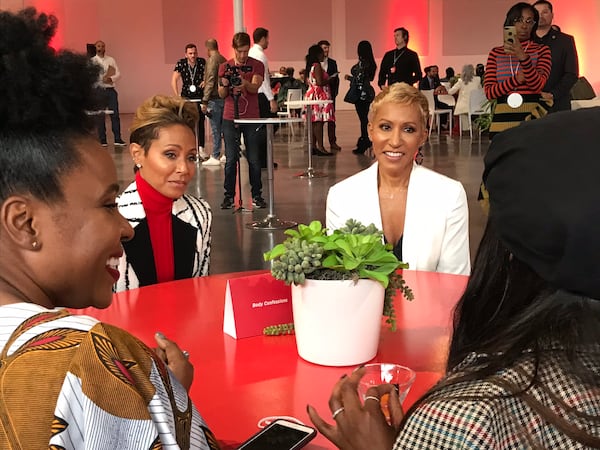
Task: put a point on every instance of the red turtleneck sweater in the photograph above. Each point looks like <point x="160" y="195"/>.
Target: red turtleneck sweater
<point x="158" y="210"/>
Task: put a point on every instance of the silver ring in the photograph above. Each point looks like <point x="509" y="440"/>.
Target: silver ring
<point x="186" y="354"/>
<point x="372" y="397"/>
<point x="336" y="412"/>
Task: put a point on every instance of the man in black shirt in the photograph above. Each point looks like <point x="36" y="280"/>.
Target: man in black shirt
<point x="565" y="66"/>
<point x="190" y="72"/>
<point x="400" y="64"/>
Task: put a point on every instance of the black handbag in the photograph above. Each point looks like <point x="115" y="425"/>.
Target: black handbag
<point x="353" y="94"/>
<point x="368" y="93"/>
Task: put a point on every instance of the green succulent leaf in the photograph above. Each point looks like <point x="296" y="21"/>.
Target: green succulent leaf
<point x="352" y="252"/>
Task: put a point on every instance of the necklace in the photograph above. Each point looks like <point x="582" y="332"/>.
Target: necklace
<point x="396" y="58"/>
<point x="390" y="195"/>
<point x="512" y="72"/>
<point x="192" y="87"/>
<point x="515" y="100"/>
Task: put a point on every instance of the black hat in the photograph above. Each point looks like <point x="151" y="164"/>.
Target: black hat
<point x="543" y="179"/>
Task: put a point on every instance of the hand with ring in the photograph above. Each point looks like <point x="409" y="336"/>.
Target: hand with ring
<point x="175" y="359"/>
<point x="360" y="425"/>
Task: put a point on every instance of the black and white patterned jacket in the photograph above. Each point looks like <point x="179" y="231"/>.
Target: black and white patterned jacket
<point x="192" y="219"/>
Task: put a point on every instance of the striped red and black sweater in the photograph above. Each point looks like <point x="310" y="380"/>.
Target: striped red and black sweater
<point x="501" y="71"/>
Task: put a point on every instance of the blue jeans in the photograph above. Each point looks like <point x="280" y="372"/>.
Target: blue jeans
<point x="110" y="100"/>
<point x="231" y="135"/>
<point x="216" y="107"/>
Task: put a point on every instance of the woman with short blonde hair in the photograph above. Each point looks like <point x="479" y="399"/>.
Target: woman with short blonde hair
<point x="423" y="214"/>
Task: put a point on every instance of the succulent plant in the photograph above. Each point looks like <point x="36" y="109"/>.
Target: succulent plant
<point x="278" y="330"/>
<point x="350" y="253"/>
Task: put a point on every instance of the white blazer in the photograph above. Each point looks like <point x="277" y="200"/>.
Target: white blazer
<point x="436" y="227"/>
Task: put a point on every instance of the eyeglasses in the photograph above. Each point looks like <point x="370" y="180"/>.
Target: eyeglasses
<point x="529" y="21"/>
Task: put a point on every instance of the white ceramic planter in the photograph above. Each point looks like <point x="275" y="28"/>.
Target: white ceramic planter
<point x="337" y="323"/>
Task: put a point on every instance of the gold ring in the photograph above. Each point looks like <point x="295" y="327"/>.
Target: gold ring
<point x="336" y="412"/>
<point x="372" y="397"/>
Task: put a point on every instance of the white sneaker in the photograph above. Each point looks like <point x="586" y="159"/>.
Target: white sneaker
<point x="223" y="159"/>
<point x="201" y="153"/>
<point x="212" y="161"/>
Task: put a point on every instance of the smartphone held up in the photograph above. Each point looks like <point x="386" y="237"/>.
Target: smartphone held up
<point x="510" y="34"/>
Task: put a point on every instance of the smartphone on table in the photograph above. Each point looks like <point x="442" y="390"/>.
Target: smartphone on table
<point x="510" y="34"/>
<point x="280" y="435"/>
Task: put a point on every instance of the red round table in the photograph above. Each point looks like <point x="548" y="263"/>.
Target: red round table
<point x="238" y="382"/>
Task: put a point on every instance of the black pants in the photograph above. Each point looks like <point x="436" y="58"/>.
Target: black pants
<point x="109" y="99"/>
<point x="200" y="130"/>
<point x="264" y="109"/>
<point x="442" y="105"/>
<point x="362" y="109"/>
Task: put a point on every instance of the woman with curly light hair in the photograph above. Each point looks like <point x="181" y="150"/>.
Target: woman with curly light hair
<point x="172" y="228"/>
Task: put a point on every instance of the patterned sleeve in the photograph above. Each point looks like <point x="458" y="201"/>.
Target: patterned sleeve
<point x="118" y="394"/>
<point x="203" y="218"/>
<point x="178" y="67"/>
<point x="537" y="75"/>
<point x="448" y="424"/>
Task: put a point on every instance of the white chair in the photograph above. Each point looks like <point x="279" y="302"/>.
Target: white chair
<point x="434" y="113"/>
<point x="477" y="100"/>
<point x="292" y="95"/>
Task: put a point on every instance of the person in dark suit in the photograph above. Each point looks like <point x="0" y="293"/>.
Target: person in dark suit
<point x="329" y="65"/>
<point x="565" y="65"/>
<point x="431" y="81"/>
<point x="401" y="63"/>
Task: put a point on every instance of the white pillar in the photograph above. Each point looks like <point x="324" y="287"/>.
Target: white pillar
<point x="238" y="16"/>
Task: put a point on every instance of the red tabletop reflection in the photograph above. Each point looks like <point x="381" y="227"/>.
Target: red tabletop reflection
<point x="238" y="382"/>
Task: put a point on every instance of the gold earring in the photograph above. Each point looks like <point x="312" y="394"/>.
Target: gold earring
<point x="34" y="244"/>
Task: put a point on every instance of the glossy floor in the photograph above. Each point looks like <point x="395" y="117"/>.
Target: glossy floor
<point x="237" y="248"/>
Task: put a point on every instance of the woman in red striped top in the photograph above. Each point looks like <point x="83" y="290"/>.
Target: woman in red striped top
<point x="520" y="67"/>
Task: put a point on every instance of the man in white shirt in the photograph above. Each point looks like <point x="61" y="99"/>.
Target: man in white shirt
<point x="267" y="103"/>
<point x="108" y="94"/>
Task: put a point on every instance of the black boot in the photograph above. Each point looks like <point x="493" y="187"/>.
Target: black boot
<point x="362" y="145"/>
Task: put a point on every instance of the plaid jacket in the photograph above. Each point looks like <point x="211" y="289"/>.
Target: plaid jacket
<point x="483" y="414"/>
